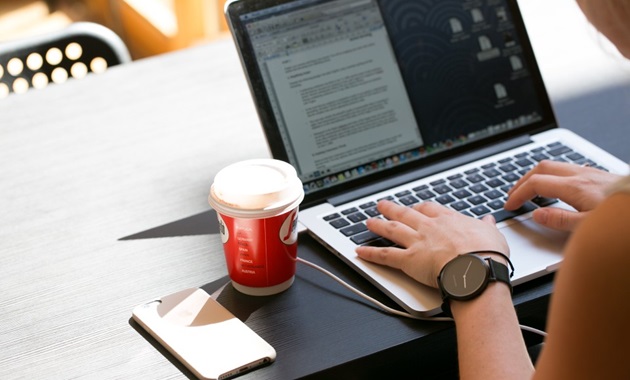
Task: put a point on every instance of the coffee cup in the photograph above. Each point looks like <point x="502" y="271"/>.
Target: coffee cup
<point x="257" y="204"/>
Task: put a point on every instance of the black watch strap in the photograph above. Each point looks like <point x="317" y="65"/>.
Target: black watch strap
<point x="498" y="272"/>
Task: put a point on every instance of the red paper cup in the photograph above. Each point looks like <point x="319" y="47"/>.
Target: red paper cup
<point x="257" y="206"/>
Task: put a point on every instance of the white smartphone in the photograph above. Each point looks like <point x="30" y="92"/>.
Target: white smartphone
<point x="204" y="335"/>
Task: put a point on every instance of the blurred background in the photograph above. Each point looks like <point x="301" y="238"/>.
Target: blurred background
<point x="148" y="27"/>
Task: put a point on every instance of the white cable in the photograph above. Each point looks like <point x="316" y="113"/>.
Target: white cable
<point x="391" y="310"/>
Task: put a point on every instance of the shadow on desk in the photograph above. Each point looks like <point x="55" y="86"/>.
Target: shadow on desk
<point x="321" y="331"/>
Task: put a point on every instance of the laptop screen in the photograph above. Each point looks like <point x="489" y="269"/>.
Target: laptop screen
<point x="348" y="89"/>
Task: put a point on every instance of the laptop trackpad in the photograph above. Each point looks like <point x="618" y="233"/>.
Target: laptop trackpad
<point x="534" y="250"/>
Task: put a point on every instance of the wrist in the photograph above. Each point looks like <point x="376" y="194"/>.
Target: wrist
<point x="496" y="296"/>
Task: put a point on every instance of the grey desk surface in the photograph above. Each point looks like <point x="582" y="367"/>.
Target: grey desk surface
<point x="88" y="162"/>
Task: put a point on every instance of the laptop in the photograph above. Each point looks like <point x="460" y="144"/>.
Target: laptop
<point x="411" y="101"/>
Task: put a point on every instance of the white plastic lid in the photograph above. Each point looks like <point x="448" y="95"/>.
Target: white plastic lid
<point x="256" y="188"/>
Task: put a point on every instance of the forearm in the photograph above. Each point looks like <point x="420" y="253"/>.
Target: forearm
<point x="489" y="339"/>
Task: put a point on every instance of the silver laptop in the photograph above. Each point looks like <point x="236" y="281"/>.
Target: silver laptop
<point x="411" y="101"/>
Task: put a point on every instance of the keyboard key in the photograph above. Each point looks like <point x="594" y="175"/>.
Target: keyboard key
<point x="496" y="204"/>
<point x="364" y="237"/>
<point x="493" y="194"/>
<point x="420" y="188"/>
<point x="478" y="188"/>
<point x="460" y="194"/>
<point x="357" y="217"/>
<point x="402" y="193"/>
<point x="437" y="182"/>
<point x="475" y="178"/>
<point x="524" y="162"/>
<point x="480" y="210"/>
<point x="511" y="177"/>
<point x="458" y="183"/>
<point x="559" y="150"/>
<point x="540" y="156"/>
<point x="442" y="189"/>
<point x="349" y="211"/>
<point x="372" y="212"/>
<point x="542" y="201"/>
<point x="503" y="214"/>
<point x="367" y="205"/>
<point x="575" y="156"/>
<point x="491" y="173"/>
<point x="477" y="200"/>
<point x="495" y="182"/>
<point x="445" y="199"/>
<point x="459" y="205"/>
<point x="425" y="194"/>
<point x="508" y="168"/>
<point x="331" y="217"/>
<point x="408" y="200"/>
<point x="353" y="229"/>
<point x="380" y="242"/>
<point x="339" y="223"/>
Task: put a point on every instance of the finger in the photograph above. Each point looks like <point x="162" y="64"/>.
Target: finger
<point x="431" y="209"/>
<point x="389" y="256"/>
<point x="561" y="169"/>
<point x="489" y="219"/>
<point x="550" y="186"/>
<point x="403" y="214"/>
<point x="393" y="230"/>
<point x="557" y="219"/>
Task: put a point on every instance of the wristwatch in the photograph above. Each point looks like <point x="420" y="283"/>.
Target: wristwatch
<point x="467" y="276"/>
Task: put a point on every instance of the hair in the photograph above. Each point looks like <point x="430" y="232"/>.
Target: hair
<point x="612" y="19"/>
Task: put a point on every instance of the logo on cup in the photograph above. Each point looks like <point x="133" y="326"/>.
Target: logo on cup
<point x="223" y="230"/>
<point x="288" y="230"/>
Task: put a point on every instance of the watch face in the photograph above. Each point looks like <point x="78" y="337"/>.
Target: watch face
<point x="464" y="277"/>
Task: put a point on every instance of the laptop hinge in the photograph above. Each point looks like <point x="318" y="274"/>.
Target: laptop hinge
<point x="435" y="168"/>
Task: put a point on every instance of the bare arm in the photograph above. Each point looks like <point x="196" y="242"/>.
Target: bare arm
<point x="588" y="325"/>
<point x="489" y="339"/>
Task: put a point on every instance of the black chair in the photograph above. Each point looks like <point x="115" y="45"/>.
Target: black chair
<point x="70" y="53"/>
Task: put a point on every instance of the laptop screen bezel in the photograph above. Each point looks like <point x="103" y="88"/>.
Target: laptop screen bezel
<point x="235" y="9"/>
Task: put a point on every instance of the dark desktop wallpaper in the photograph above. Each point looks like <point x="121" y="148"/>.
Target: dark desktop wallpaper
<point x="463" y="66"/>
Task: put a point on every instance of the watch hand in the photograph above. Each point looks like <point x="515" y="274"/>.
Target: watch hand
<point x="469" y="264"/>
<point x="466" y="272"/>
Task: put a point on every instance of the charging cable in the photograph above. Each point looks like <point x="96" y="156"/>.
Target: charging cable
<point x="391" y="310"/>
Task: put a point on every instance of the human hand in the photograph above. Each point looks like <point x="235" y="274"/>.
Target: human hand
<point x="581" y="187"/>
<point x="430" y="236"/>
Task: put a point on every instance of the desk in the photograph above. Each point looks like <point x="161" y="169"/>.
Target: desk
<point x="91" y="161"/>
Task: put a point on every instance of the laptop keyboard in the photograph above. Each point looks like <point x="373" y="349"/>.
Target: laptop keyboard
<point x="475" y="192"/>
